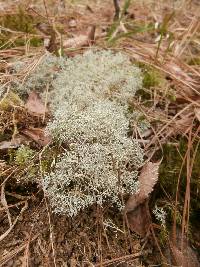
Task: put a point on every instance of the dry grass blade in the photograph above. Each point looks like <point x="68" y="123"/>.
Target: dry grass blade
<point x="51" y="233"/>
<point x="180" y="126"/>
<point x="170" y="127"/>
<point x="187" y="37"/>
<point x="189" y="167"/>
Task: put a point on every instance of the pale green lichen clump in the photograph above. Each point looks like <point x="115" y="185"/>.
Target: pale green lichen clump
<point x="90" y="106"/>
<point x="89" y="96"/>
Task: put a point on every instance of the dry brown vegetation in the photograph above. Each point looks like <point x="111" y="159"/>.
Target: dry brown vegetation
<point x="163" y="38"/>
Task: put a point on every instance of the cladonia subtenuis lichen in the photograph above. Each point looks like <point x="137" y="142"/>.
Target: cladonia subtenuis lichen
<point x="89" y="100"/>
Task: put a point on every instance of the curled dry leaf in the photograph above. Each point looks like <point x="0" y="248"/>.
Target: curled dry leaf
<point x="136" y="207"/>
<point x="38" y="135"/>
<point x="77" y="41"/>
<point x="35" y="105"/>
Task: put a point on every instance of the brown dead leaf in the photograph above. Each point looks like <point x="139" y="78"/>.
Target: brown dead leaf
<point x="139" y="220"/>
<point x="148" y="178"/>
<point x="136" y="207"/>
<point x="35" y="105"/>
<point x="14" y="143"/>
<point x="177" y="256"/>
<point x="179" y="251"/>
<point x="7" y="145"/>
<point x="38" y="135"/>
<point x="197" y="113"/>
